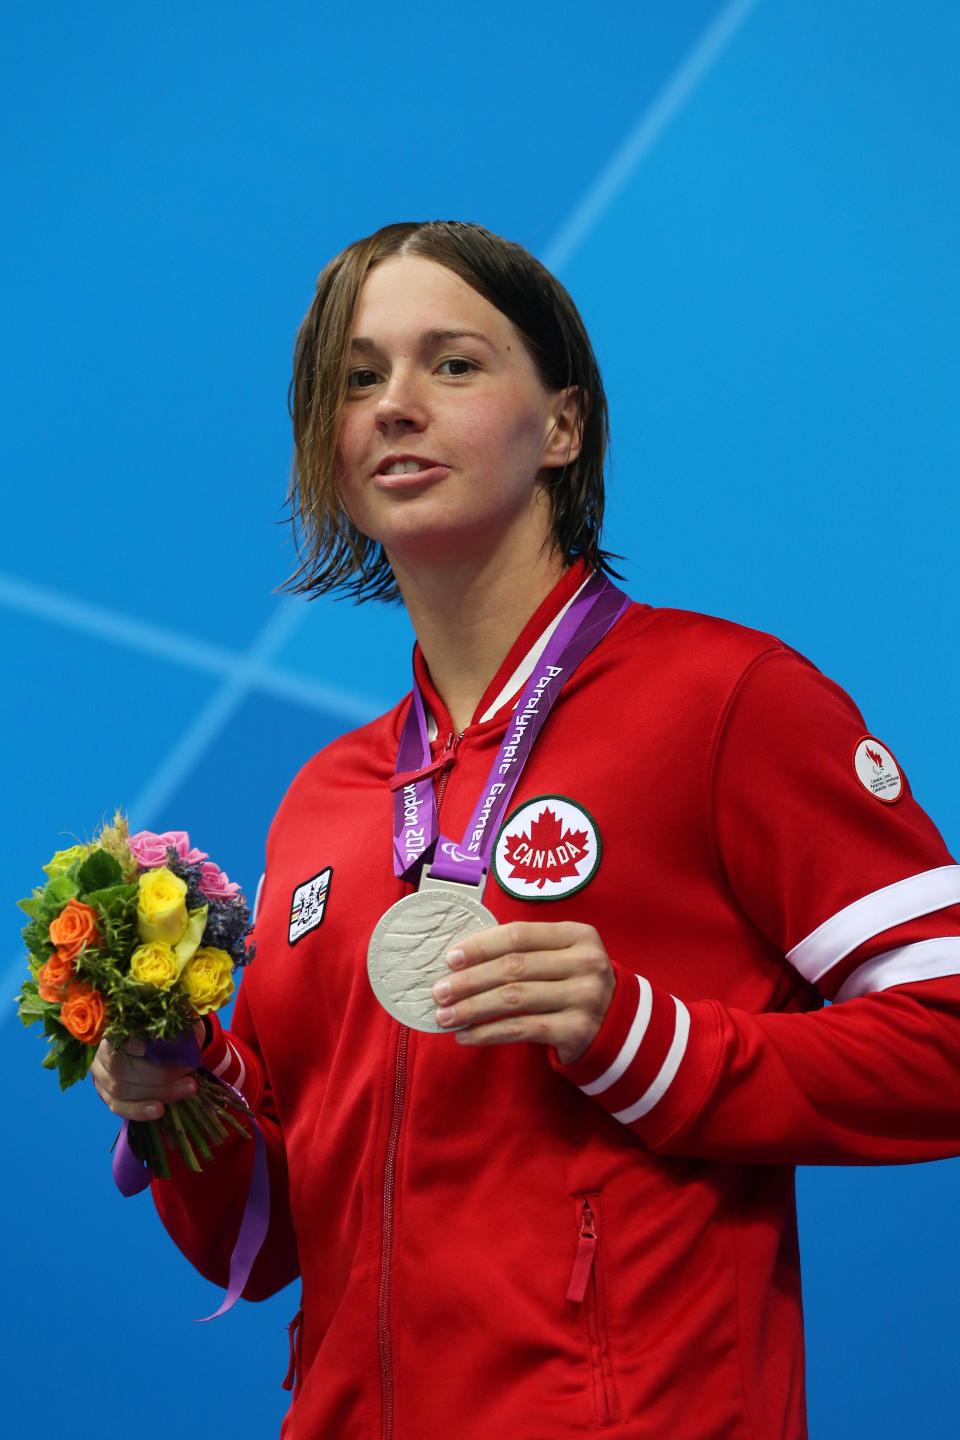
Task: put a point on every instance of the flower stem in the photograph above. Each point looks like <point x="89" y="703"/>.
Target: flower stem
<point x="232" y="1120"/>
<point x="156" y="1155"/>
<point x="221" y="1098"/>
<point x="206" y="1117"/>
<point x="186" y="1113"/>
<point x="181" y="1137"/>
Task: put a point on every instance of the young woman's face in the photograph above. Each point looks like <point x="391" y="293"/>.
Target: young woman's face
<point x="446" y="428"/>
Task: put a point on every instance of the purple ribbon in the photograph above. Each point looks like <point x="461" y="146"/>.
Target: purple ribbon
<point x="594" y="610"/>
<point x="132" y="1176"/>
<point x="415" y="823"/>
<point x="253" y="1228"/>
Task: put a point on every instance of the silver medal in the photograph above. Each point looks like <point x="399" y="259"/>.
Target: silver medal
<point x="408" y="948"/>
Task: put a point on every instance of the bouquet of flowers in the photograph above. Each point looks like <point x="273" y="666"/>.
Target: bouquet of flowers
<point x="137" y="935"/>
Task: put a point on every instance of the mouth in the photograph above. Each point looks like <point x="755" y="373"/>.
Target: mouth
<point x="402" y="471"/>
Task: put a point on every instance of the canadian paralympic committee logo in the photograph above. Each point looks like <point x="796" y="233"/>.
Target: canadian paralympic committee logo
<point x="877" y="770"/>
<point x="548" y="848"/>
<point x="308" y="905"/>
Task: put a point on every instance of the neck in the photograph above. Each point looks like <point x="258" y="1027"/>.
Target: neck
<point x="466" y="617"/>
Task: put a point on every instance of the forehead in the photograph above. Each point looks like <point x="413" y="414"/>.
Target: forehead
<point x="408" y="295"/>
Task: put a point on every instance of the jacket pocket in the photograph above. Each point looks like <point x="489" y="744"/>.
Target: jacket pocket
<point x="587" y="1293"/>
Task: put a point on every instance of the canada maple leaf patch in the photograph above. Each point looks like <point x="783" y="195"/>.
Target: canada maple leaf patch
<point x="548" y="848"/>
<point x="546" y="852"/>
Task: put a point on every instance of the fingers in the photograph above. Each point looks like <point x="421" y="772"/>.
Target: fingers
<point x="504" y="988"/>
<point x="586" y="993"/>
<point x="134" y="1088"/>
<point x="512" y="955"/>
<point x="518" y="938"/>
<point x="568" y="1031"/>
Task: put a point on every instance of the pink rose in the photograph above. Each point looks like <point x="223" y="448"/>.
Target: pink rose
<point x="180" y="841"/>
<point x="214" y="883"/>
<point x="150" y="850"/>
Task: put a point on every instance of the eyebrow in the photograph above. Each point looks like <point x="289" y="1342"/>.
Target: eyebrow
<point x="364" y="346"/>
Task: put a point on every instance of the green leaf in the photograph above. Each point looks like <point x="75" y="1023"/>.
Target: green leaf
<point x="99" y="871"/>
<point x="52" y="1026"/>
<point x="75" y="1060"/>
<point x="31" y="1007"/>
<point x="112" y="897"/>
<point x="33" y="905"/>
<point x="59" y="891"/>
<point x="36" y="937"/>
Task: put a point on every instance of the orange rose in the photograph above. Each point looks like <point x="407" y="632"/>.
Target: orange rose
<point x="83" y="1014"/>
<point x="54" y="977"/>
<point x="74" y="927"/>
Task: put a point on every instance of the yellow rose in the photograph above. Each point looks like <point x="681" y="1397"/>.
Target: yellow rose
<point x="63" y="859"/>
<point x="162" y="909"/>
<point x="155" y="964"/>
<point x="208" y="979"/>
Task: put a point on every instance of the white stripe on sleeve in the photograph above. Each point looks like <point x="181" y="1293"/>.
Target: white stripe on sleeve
<point x="924" y="960"/>
<point x="871" y="915"/>
<point x="231" y="1057"/>
<point x="238" y="1081"/>
<point x="630" y="1046"/>
<point x="667" y="1071"/>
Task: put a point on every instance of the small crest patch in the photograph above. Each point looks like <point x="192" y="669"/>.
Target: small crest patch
<point x="549" y="848"/>
<point x="877" y="770"/>
<point x="308" y="905"/>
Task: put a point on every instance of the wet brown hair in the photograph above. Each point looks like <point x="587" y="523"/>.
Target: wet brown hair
<point x="334" y="554"/>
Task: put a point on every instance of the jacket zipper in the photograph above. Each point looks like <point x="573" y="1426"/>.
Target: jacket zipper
<point x="389" y="1179"/>
<point x="449" y="749"/>
<point x="585" y="1289"/>
<point x="586" y="1251"/>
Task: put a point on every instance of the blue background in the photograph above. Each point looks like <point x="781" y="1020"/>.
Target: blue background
<point x="755" y="205"/>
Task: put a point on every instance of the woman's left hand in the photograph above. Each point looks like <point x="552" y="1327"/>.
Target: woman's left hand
<point x="547" y="982"/>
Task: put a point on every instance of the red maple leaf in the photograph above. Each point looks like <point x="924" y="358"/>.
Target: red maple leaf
<point x="548" y="852"/>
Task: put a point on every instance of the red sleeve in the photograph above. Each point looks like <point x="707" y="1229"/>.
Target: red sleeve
<point x="202" y="1212"/>
<point x="827" y="852"/>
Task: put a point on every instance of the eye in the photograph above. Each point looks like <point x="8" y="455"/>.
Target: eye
<point x="461" y="367"/>
<point x="361" y="379"/>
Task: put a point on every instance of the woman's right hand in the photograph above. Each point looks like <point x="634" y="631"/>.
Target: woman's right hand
<point x="134" y="1088"/>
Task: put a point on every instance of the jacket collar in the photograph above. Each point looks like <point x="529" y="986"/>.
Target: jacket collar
<point x="504" y="689"/>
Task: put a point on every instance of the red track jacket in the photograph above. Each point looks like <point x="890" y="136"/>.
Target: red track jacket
<point x="493" y="1244"/>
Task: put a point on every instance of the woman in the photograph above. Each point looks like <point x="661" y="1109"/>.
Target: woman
<point x="572" y="1214"/>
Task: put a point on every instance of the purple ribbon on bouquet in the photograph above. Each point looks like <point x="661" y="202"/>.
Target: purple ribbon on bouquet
<point x="131" y="1175"/>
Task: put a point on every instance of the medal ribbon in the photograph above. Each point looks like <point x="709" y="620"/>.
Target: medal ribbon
<point x="594" y="610"/>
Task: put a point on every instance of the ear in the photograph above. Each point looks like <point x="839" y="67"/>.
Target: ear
<point x="566" y="435"/>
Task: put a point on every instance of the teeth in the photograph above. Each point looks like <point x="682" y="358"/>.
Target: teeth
<point x="403" y="467"/>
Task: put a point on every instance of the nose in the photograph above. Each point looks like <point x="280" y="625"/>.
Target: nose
<point x="401" y="405"/>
